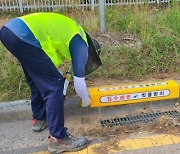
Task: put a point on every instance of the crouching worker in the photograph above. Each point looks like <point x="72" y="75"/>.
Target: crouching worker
<point x="42" y="42"/>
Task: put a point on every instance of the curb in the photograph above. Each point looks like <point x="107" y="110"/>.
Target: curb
<point x="21" y="109"/>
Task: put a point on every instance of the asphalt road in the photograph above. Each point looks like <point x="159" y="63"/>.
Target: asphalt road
<point x="18" y="138"/>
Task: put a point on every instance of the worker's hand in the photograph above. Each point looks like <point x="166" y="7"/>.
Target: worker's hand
<point x="86" y="103"/>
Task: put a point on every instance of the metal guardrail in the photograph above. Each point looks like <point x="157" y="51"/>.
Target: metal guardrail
<point x="65" y="5"/>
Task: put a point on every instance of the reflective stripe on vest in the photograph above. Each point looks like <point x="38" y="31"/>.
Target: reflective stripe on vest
<point x="54" y="32"/>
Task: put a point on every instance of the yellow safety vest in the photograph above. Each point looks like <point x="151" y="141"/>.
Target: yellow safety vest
<point x="54" y="32"/>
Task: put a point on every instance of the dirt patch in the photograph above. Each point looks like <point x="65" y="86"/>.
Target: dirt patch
<point x="103" y="81"/>
<point x="115" y="39"/>
<point x="110" y="136"/>
<point x="112" y="143"/>
<point x="163" y="125"/>
<point x="90" y="124"/>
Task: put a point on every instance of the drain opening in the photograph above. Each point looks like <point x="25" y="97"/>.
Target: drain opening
<point x="141" y="118"/>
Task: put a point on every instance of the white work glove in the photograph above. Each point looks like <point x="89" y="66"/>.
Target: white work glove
<point x="86" y="103"/>
<point x="81" y="89"/>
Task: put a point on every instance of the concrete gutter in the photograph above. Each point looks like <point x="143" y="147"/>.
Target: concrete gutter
<point x="21" y="109"/>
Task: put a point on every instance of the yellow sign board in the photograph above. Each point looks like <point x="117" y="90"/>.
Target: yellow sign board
<point x="127" y="94"/>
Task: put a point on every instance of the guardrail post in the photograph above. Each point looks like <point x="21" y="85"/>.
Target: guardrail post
<point x="92" y="5"/>
<point x="20" y="5"/>
<point x="102" y="15"/>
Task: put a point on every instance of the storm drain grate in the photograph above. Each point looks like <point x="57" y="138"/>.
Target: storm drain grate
<point x="141" y="118"/>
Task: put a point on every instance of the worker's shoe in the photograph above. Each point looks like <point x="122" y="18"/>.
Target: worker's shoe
<point x="67" y="144"/>
<point x="38" y="125"/>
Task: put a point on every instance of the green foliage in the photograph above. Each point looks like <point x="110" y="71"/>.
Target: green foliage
<point x="158" y="30"/>
<point x="118" y="20"/>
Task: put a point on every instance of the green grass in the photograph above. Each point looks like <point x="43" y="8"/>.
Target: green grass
<point x="157" y="28"/>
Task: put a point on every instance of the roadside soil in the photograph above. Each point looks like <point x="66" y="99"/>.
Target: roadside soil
<point x="102" y="81"/>
<point x="90" y="126"/>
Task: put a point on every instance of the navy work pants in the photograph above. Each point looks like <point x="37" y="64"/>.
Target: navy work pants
<point x="44" y="80"/>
